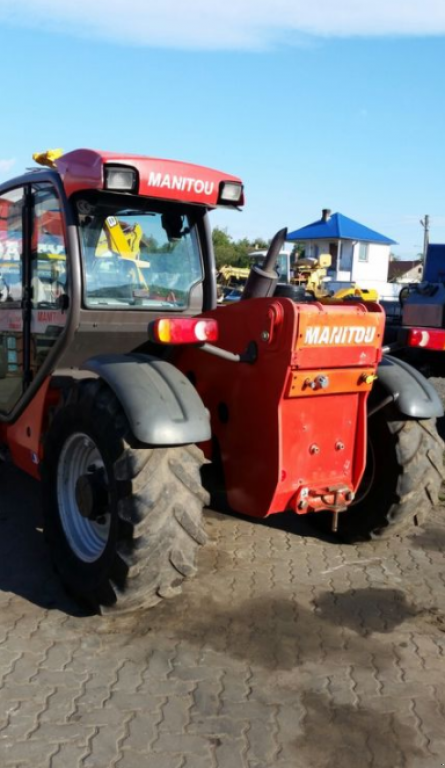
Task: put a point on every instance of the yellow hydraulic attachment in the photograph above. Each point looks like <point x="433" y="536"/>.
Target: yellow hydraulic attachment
<point x="124" y="240"/>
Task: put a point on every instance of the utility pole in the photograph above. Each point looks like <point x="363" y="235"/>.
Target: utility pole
<point x="425" y="222"/>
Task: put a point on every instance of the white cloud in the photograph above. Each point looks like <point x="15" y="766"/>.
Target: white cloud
<point x="211" y="24"/>
<point x="6" y="165"/>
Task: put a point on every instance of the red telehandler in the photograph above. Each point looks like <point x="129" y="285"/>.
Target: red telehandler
<point x="119" y="379"/>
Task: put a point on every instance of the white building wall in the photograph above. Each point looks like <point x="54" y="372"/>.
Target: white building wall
<point x="375" y="269"/>
<point x="342" y="276"/>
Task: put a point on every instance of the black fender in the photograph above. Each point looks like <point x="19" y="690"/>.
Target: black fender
<point x="413" y="394"/>
<point x="161" y="404"/>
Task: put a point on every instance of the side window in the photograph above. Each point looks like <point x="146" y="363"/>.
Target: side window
<point x="11" y="205"/>
<point x="48" y="274"/>
<point x="363" y="252"/>
<point x="11" y="318"/>
<point x="48" y="252"/>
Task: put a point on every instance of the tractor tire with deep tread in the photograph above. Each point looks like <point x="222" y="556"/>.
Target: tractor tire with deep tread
<point x="152" y="526"/>
<point x="403" y="482"/>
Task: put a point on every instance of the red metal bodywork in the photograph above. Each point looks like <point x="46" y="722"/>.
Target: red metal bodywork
<point x="24" y="437"/>
<point x="283" y="443"/>
<point x="83" y="169"/>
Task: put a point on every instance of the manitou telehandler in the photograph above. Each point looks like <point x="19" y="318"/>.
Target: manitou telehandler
<point x="116" y="382"/>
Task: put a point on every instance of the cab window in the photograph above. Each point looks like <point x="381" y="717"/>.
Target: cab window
<point x="49" y="281"/>
<point x="136" y="256"/>
<point x="48" y="251"/>
<point x="11" y="315"/>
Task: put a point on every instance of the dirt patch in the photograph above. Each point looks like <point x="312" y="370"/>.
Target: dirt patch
<point x="342" y="736"/>
<point x="273" y="632"/>
<point x="434" y="617"/>
<point x="366" y="611"/>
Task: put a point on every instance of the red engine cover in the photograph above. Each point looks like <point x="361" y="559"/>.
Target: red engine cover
<point x="291" y="426"/>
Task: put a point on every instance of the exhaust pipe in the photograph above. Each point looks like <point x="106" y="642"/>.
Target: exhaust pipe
<point x="263" y="280"/>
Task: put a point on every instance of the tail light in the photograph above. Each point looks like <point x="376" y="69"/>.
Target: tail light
<point x="426" y="338"/>
<point x="190" y="330"/>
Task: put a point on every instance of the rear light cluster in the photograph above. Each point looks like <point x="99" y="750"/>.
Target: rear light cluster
<point x="426" y="338"/>
<point x="189" y="330"/>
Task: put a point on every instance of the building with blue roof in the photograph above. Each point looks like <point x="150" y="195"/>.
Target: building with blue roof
<point x="359" y="254"/>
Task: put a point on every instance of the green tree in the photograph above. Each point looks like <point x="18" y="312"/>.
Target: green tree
<point x="228" y="252"/>
<point x="235" y="253"/>
<point x="223" y="247"/>
<point x="297" y="252"/>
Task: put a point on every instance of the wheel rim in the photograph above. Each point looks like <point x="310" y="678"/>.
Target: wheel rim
<point x="86" y="538"/>
<point x="368" y="477"/>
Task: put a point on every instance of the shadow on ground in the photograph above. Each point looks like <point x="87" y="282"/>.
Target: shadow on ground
<point x="25" y="565"/>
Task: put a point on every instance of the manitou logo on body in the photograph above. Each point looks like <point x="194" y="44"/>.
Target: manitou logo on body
<point x="354" y="334"/>
<point x="181" y="183"/>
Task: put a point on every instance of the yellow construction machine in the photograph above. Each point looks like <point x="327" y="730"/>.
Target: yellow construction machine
<point x="312" y="275"/>
<point x="230" y="282"/>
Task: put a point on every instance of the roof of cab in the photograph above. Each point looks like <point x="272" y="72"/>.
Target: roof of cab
<point x="83" y="169"/>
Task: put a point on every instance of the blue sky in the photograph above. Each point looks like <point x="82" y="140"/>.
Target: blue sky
<point x="349" y="117"/>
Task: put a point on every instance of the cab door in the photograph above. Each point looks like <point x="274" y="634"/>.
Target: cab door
<point x="33" y="286"/>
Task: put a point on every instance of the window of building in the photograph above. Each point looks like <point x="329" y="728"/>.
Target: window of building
<point x="363" y="252"/>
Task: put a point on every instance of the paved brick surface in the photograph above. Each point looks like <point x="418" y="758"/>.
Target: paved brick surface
<point x="287" y="651"/>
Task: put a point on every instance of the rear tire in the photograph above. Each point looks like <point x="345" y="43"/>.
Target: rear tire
<point x="402" y="479"/>
<point x="144" y="543"/>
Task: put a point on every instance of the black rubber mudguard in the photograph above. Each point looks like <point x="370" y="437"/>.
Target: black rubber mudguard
<point x="413" y="394"/>
<point x="162" y="406"/>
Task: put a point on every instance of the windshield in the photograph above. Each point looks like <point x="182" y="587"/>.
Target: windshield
<point x="137" y="257"/>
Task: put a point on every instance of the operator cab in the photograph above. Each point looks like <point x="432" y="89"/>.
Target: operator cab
<point x="88" y="245"/>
